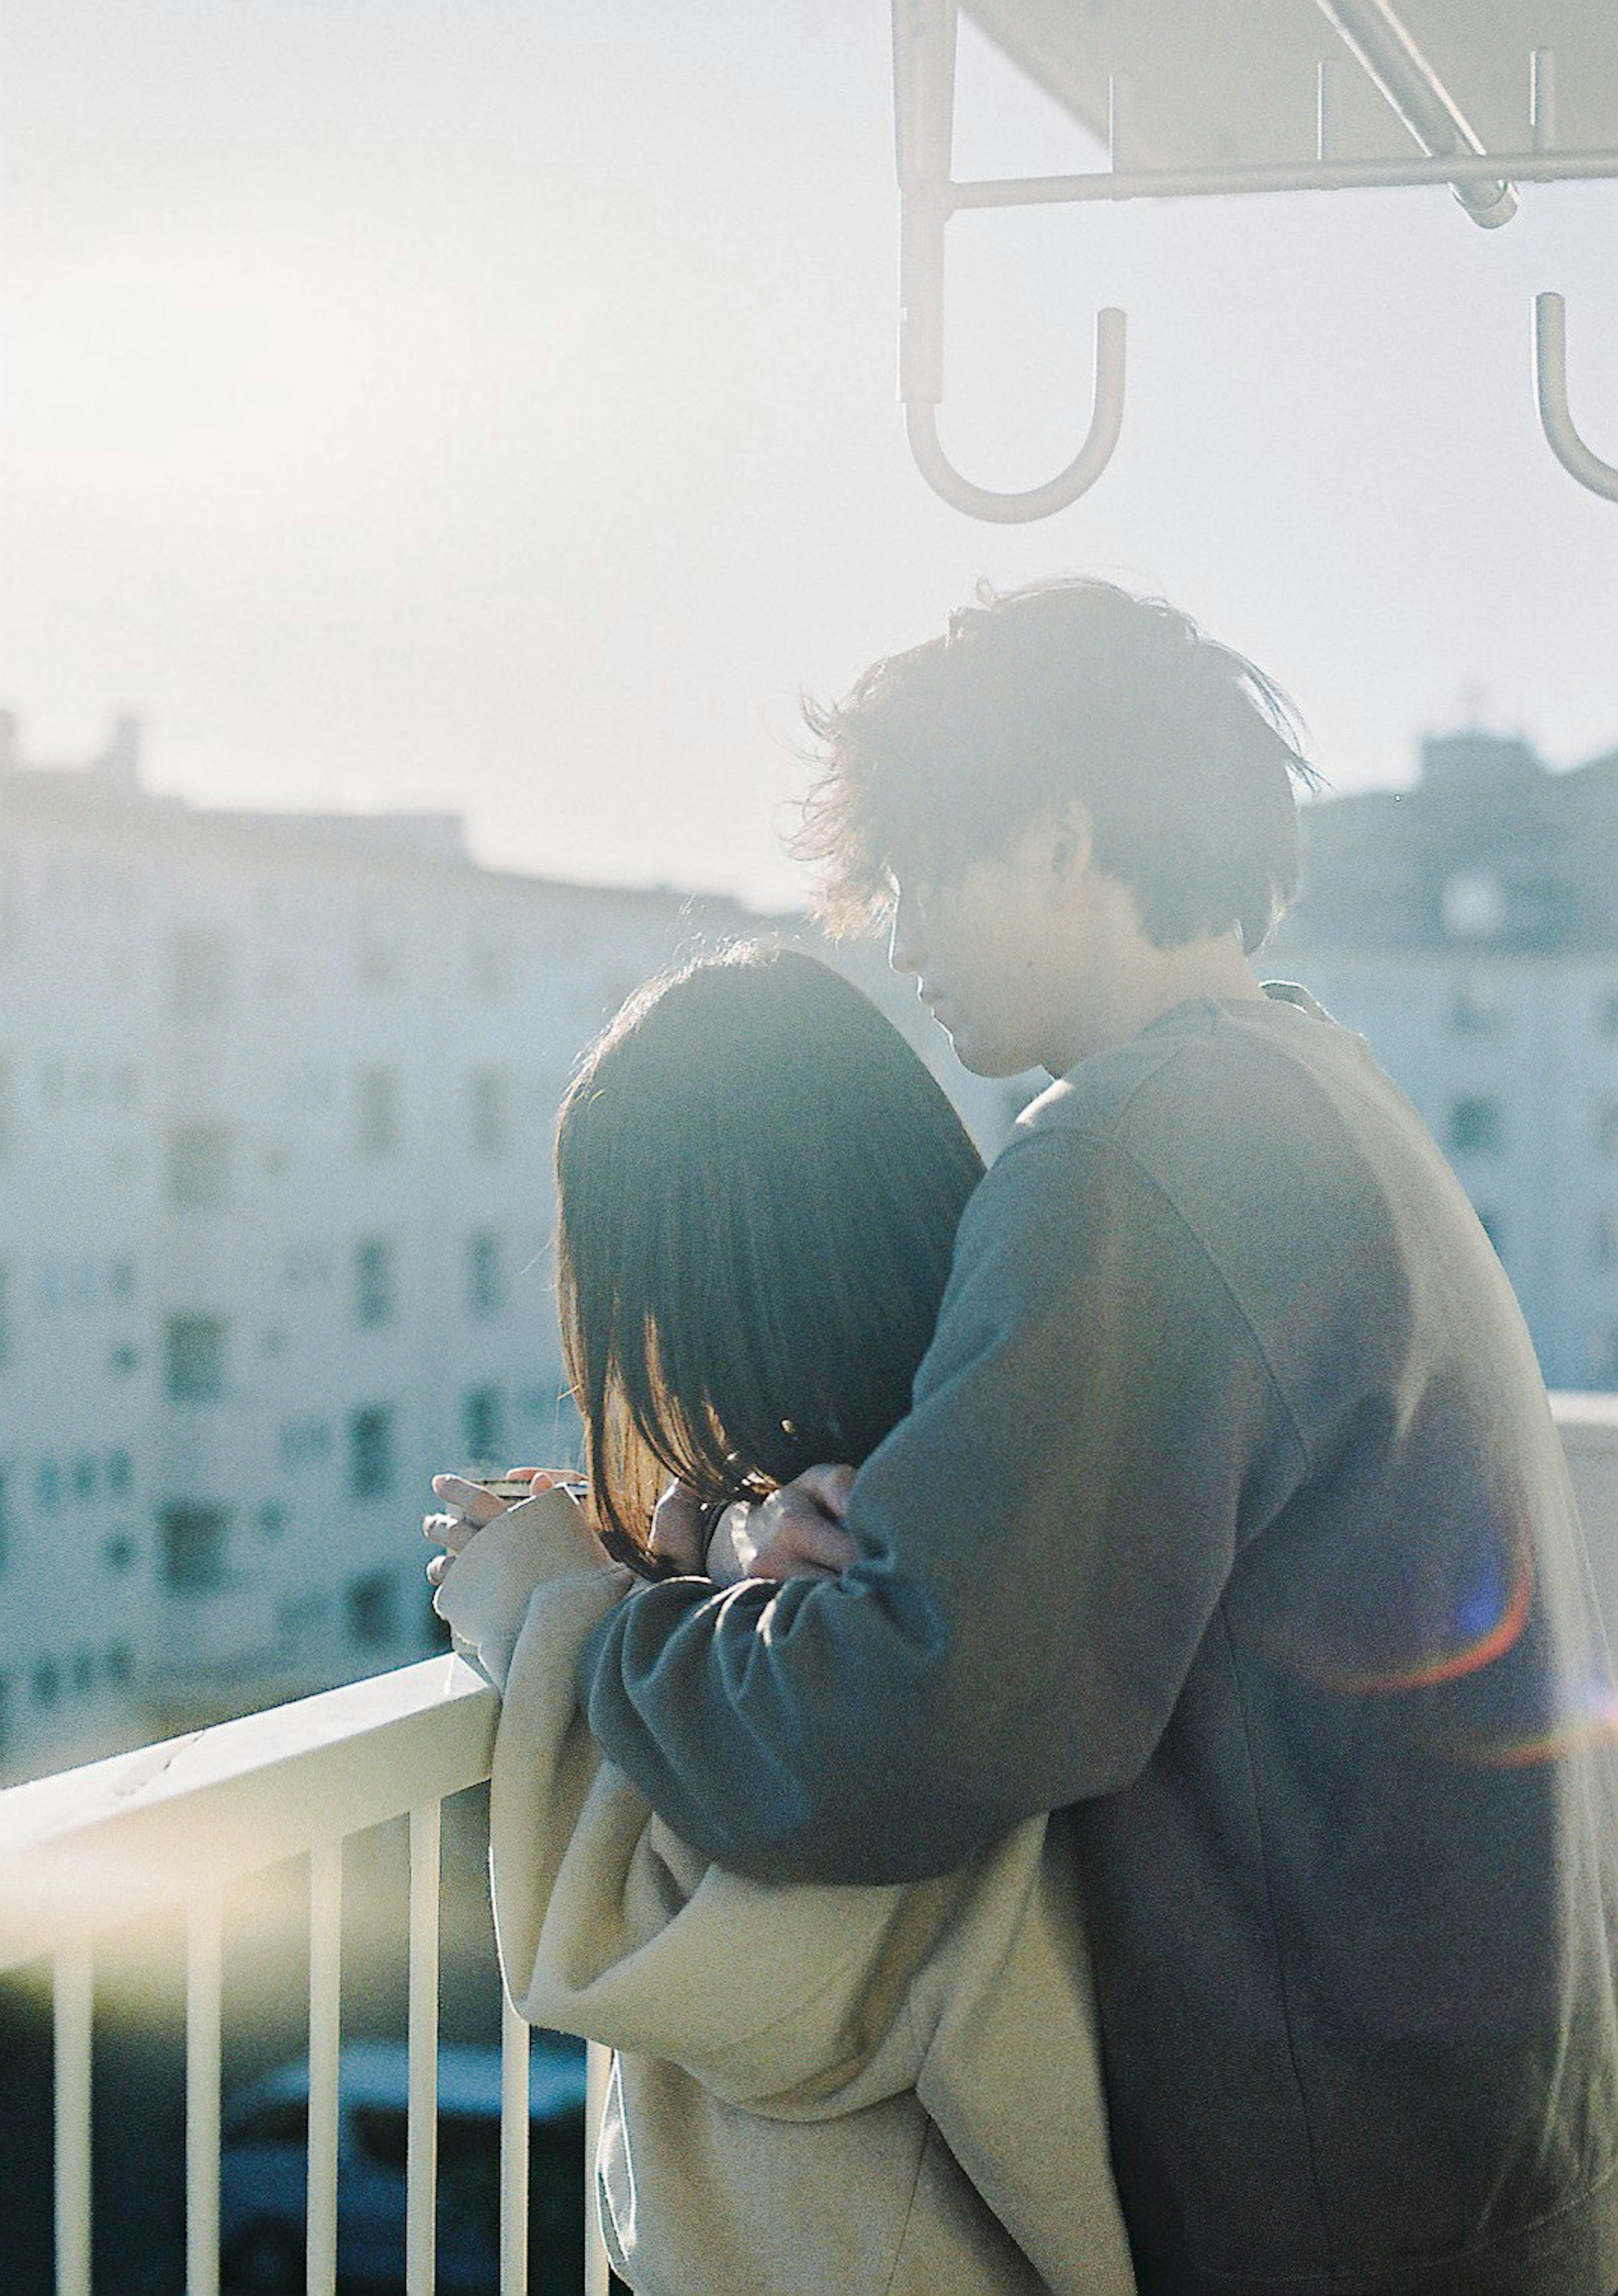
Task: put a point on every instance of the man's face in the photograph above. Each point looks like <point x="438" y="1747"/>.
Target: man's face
<point x="990" y="958"/>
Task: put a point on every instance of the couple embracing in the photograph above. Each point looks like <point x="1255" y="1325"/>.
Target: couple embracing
<point x="1092" y="1776"/>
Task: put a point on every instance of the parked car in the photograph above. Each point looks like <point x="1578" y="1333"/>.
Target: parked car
<point x="263" y="2169"/>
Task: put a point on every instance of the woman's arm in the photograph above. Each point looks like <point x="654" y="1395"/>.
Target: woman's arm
<point x="789" y="2001"/>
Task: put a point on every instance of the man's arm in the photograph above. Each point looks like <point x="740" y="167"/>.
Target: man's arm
<point x="1042" y="1541"/>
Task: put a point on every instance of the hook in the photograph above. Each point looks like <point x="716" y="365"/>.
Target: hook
<point x="921" y="424"/>
<point x="924" y="98"/>
<point x="1550" y="383"/>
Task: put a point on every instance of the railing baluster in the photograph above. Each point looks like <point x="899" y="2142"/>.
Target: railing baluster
<point x="513" y="2150"/>
<point x="326" y="2027"/>
<point x="204" y="1990"/>
<point x="74" y="2001"/>
<point x="598" y="2072"/>
<point x="421" y="2141"/>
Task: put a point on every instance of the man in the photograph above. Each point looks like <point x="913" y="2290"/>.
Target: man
<point x="1230" y="1517"/>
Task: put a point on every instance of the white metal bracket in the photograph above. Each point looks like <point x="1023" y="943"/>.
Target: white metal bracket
<point x="1451" y="154"/>
<point x="1550" y="387"/>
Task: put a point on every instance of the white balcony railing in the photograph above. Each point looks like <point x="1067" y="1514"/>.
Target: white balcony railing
<point x="170" y="1827"/>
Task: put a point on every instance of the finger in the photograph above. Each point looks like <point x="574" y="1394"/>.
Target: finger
<point x="451" y="1531"/>
<point x="437" y="1569"/>
<point x="806" y="1549"/>
<point x="828" y="1486"/>
<point x="474" y="1505"/>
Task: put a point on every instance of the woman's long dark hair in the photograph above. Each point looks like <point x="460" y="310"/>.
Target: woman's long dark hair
<point x="758" y="1186"/>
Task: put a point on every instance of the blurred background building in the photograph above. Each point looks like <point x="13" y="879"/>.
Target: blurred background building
<point x="277" y="1097"/>
<point x="1468" y="927"/>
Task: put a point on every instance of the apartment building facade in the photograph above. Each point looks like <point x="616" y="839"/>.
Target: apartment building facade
<point x="1469" y="928"/>
<point x="276" y="1096"/>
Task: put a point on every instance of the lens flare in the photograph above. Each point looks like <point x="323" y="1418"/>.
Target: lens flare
<point x="1487" y="1621"/>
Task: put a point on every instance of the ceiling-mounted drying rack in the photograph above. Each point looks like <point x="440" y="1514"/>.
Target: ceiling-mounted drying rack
<point x="1451" y="153"/>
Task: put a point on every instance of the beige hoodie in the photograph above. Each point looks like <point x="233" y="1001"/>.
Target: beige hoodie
<point x="818" y="2092"/>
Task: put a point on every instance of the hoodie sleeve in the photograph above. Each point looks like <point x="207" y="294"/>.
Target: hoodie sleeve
<point x="789" y="2001"/>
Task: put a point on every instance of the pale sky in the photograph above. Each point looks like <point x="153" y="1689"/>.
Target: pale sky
<point x="454" y="404"/>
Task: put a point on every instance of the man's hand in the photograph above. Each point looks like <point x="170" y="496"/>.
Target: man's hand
<point x="797" y="1531"/>
<point x="472" y="1508"/>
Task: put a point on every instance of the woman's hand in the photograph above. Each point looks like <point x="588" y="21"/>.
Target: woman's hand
<point x="473" y="1507"/>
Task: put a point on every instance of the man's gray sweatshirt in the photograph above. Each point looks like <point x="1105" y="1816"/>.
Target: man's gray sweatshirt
<point x="1230" y="1518"/>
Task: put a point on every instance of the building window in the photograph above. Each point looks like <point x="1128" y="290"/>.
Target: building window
<point x="120" y="1662"/>
<point x="370" y="1605"/>
<point x="489" y="1110"/>
<point x="482" y="1424"/>
<point x="120" y="1473"/>
<point x="376" y="1111"/>
<point x="120" y="1280"/>
<point x="193" y="1359"/>
<point x="198" y="976"/>
<point x="374" y="1300"/>
<point x="83" y="1478"/>
<point x="1476" y="1011"/>
<point x="1475" y="1126"/>
<point x="117" y="1553"/>
<point x="46" y="1682"/>
<point x="47" y="1483"/>
<point x="198" y="1166"/>
<point x="370" y="1465"/>
<point x="124" y="1359"/>
<point x="192" y="1545"/>
<point x="1473" y="905"/>
<point x="485" y="1274"/>
<point x="272" y="1520"/>
<point x="1604" y="1128"/>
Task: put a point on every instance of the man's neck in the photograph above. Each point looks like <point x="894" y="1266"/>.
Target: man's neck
<point x="1131" y="983"/>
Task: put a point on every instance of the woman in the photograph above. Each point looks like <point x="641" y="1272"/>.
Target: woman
<point x="826" y="2090"/>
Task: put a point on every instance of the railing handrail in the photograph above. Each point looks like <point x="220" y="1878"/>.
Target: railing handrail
<point x="140" y="1831"/>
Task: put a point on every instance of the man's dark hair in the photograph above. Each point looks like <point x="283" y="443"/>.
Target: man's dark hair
<point x="1184" y="754"/>
<point x="758" y="1186"/>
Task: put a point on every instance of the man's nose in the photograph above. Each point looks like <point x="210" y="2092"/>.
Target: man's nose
<point x="904" y="948"/>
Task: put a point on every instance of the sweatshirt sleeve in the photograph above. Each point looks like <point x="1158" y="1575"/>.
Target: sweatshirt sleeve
<point x="1042" y="1540"/>
<point x="486" y="1591"/>
<point x="792" y="2002"/>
